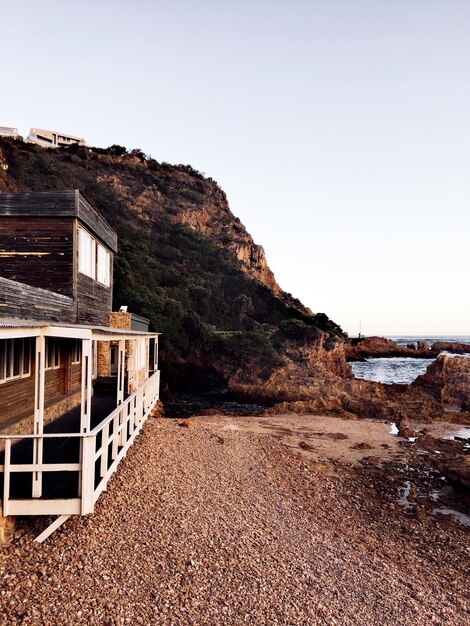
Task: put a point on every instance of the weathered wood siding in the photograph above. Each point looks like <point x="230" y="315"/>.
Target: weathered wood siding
<point x="26" y="302"/>
<point x="17" y="399"/>
<point x="38" y="251"/>
<point x="56" y="204"/>
<point x="17" y="396"/>
<point x="39" y="203"/>
<point x="39" y="248"/>
<point x="94" y="301"/>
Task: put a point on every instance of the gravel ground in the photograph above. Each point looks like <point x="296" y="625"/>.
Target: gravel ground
<point x="209" y="527"/>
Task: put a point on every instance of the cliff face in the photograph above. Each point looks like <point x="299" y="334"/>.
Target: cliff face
<point x="201" y="205"/>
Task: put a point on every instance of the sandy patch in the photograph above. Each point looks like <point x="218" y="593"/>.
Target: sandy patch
<point x="321" y="438"/>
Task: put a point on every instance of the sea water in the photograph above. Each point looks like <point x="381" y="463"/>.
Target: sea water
<point x="400" y="370"/>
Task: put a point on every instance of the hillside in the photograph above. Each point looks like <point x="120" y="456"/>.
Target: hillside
<point x="185" y="261"/>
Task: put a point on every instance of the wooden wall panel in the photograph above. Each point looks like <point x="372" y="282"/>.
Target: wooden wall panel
<point x="38" y="251"/>
<point x="17" y="398"/>
<point x="94" y="301"/>
<point x="38" y="203"/>
<point x="25" y="302"/>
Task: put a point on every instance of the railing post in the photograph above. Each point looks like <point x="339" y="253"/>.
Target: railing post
<point x="86" y="386"/>
<point x="6" y="477"/>
<point x="121" y="370"/>
<point x="114" y="445"/>
<point x="88" y="474"/>
<point x="104" y="451"/>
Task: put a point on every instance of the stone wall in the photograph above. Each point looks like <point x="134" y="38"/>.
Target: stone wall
<point x="120" y="320"/>
<point x="103" y="359"/>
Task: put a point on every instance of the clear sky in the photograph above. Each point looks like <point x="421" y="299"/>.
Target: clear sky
<point x="339" y="129"/>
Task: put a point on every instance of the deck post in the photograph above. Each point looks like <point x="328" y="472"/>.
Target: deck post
<point x="147" y="357"/>
<point x="88" y="474"/>
<point x="39" y="385"/>
<point x="121" y="370"/>
<point x="86" y="385"/>
<point x="132" y="367"/>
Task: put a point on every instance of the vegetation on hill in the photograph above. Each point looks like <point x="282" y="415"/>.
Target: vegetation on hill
<point x="184" y="260"/>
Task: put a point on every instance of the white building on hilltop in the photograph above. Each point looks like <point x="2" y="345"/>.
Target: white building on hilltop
<point x="8" y="131"/>
<point x="53" y="138"/>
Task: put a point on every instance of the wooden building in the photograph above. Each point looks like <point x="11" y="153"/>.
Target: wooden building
<point x="73" y="375"/>
<point x="58" y="242"/>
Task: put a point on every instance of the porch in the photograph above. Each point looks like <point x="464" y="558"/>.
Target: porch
<point x="62" y="467"/>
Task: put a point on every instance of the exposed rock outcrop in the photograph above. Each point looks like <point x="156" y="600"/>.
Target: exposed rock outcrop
<point x="451" y="346"/>
<point x="363" y="348"/>
<point x="448" y="380"/>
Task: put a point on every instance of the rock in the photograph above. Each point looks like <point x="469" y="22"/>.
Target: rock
<point x="449" y="346"/>
<point x="382" y="347"/>
<point x="362" y="446"/>
<point x="456" y="469"/>
<point x="188" y="423"/>
<point x="158" y="410"/>
<point x="448" y="380"/>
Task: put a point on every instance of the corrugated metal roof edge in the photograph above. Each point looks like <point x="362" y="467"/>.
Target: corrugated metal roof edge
<point x="20" y="323"/>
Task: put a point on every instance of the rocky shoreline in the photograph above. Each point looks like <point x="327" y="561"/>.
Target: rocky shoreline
<point x="365" y="347"/>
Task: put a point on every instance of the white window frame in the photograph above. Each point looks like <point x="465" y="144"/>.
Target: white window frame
<point x="86" y="253"/>
<point x="14" y="343"/>
<point x="55" y="342"/>
<point x="77" y="352"/>
<point x="103" y="265"/>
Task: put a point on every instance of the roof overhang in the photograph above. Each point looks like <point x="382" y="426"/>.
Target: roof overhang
<point x="12" y="328"/>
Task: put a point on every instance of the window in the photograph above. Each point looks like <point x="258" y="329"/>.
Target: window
<point x="103" y="266"/>
<point x="140" y="359"/>
<point x="93" y="258"/>
<point x="86" y="253"/>
<point x="76" y="351"/>
<point x="15" y="359"/>
<point x="52" y="353"/>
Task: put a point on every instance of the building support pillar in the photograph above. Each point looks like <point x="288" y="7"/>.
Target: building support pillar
<point x="39" y="386"/>
<point x="86" y="386"/>
<point x="121" y="370"/>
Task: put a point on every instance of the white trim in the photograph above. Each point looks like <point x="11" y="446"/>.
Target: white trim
<point x="77" y="352"/>
<point x="103" y="265"/>
<point x="21" y="373"/>
<point x="86" y="385"/>
<point x="51" y="528"/>
<point x="39" y="393"/>
<point x="44" y="507"/>
<point x="56" y="352"/>
<point x="86" y="253"/>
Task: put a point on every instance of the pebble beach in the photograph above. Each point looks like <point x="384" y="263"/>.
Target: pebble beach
<point x="210" y="524"/>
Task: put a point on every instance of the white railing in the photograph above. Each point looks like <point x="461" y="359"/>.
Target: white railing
<point x="101" y="451"/>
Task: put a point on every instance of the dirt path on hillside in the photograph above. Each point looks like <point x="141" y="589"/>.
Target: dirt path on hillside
<point x="213" y="525"/>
